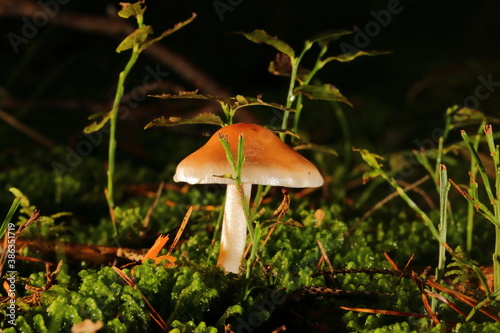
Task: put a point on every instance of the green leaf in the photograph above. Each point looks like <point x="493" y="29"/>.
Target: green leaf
<point x="326" y="92"/>
<point x="203" y="118"/>
<point x="167" y="32"/>
<point x="326" y="37"/>
<point x="135" y="38"/>
<point x="370" y="158"/>
<point x="24" y="201"/>
<point x="98" y="124"/>
<point x="370" y="175"/>
<point x="260" y="36"/>
<point x="346" y="57"/>
<point x="129" y="10"/>
<point x="465" y="116"/>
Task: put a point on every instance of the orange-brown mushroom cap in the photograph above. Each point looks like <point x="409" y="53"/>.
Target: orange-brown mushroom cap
<point x="268" y="161"/>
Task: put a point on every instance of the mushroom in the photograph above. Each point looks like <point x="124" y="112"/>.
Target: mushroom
<point x="267" y="161"/>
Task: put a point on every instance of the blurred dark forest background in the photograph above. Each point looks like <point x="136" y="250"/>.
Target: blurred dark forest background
<point x="68" y="68"/>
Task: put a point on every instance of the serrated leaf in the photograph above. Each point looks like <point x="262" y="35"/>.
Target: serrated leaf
<point x="98" y="124"/>
<point x="325" y="92"/>
<point x="129" y="10"/>
<point x="189" y="95"/>
<point x="346" y="57"/>
<point x="135" y="38"/>
<point x="326" y="37"/>
<point x="203" y="118"/>
<point x="168" y="32"/>
<point x="241" y="101"/>
<point x="260" y="36"/>
<point x="319" y="148"/>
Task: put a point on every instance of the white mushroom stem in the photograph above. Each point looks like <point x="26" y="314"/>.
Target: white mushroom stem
<point x="234" y="229"/>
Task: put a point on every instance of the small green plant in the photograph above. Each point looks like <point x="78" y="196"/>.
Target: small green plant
<point x="288" y="63"/>
<point x="137" y="41"/>
<point x="491" y="210"/>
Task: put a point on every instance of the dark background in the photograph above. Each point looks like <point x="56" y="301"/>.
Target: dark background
<point x="63" y="74"/>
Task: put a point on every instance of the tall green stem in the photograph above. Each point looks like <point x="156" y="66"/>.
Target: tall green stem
<point x="443" y="224"/>
<point x="295" y="62"/>
<point x="472" y="187"/>
<point x="317" y="66"/>
<point x="496" y="260"/>
<point x="113" y="122"/>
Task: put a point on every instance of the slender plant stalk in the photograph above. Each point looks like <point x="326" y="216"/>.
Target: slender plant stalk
<point x="439" y="158"/>
<point x="495" y="154"/>
<point x="291" y="88"/>
<point x="443" y="218"/>
<point x="317" y="66"/>
<point x="493" y="196"/>
<point x="113" y="121"/>
<point x="472" y="187"/>
<point x="443" y="225"/>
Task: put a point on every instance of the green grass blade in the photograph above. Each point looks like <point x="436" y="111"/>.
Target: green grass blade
<point x="10" y="214"/>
